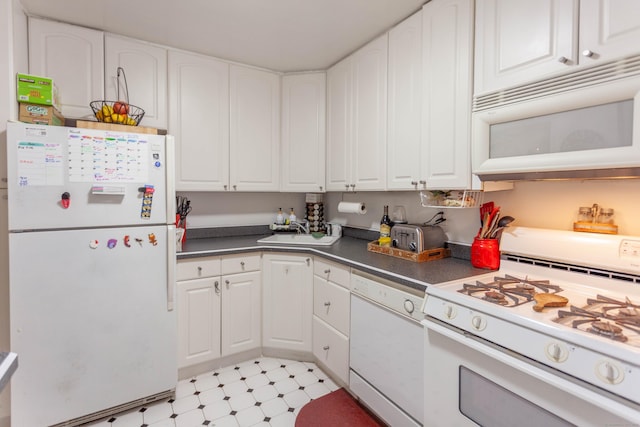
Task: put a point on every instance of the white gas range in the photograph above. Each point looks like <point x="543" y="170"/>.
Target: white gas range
<point x="491" y="359"/>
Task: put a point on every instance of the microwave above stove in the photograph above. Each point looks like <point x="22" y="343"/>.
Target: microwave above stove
<point x="587" y="128"/>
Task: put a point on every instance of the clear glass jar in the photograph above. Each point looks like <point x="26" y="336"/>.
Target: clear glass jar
<point x="606" y="216"/>
<point x="585" y="214"/>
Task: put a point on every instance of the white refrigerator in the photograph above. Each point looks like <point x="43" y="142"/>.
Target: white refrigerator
<point x="91" y="265"/>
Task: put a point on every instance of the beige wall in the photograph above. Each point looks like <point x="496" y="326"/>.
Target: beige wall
<point x="542" y="204"/>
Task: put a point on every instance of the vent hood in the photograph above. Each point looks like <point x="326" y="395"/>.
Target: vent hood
<point x="584" y="125"/>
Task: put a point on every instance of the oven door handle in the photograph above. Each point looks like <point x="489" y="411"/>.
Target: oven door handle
<point x="530" y="369"/>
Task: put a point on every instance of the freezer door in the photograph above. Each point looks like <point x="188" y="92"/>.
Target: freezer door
<point x="89" y="321"/>
<point x="61" y="177"/>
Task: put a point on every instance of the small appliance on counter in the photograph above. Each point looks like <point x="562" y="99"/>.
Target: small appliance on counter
<point x="417" y="238"/>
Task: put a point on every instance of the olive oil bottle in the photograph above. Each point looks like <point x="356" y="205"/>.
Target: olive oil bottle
<point x="385" y="228"/>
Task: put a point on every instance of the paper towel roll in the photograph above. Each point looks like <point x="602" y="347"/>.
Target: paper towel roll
<point x="352" y="207"/>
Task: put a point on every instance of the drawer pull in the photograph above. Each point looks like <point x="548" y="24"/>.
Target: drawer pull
<point x="327" y="304"/>
<point x="327" y="271"/>
<point x="242" y="264"/>
<point x="199" y="270"/>
<point x="326" y="347"/>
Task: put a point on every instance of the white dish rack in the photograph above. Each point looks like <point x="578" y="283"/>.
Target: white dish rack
<point x="451" y="199"/>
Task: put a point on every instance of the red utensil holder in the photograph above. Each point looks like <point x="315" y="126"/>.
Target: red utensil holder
<point x="485" y="253"/>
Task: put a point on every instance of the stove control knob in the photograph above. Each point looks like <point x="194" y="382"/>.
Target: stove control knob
<point x="450" y="311"/>
<point x="557" y="352"/>
<point x="609" y="372"/>
<point x="478" y="322"/>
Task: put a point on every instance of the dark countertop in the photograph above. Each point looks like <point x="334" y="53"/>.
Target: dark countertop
<point x="349" y="251"/>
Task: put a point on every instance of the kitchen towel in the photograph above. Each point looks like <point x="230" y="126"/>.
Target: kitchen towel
<point x="352" y="207"/>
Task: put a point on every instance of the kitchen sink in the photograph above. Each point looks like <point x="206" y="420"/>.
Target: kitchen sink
<point x="299" y="239"/>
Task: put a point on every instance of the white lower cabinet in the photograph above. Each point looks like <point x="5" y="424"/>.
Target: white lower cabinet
<point x="198" y="306"/>
<point x="287" y="302"/>
<point x="241" y="303"/>
<point x="219" y="307"/>
<point x="331" y="316"/>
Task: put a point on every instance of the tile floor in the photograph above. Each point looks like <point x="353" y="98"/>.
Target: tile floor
<point x="261" y="392"/>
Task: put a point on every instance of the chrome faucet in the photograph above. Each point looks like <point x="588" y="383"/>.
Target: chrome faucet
<point x="304" y="226"/>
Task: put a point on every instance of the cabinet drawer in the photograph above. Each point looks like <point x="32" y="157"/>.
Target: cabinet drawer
<point x="331" y="304"/>
<point x="331" y="348"/>
<point x="197" y="267"/>
<point x="333" y="272"/>
<point x="240" y="263"/>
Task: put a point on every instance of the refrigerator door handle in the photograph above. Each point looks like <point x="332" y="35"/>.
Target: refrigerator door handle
<point x="171" y="265"/>
<point x="170" y="150"/>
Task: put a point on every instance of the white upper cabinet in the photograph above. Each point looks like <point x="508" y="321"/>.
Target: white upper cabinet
<point x="145" y="67"/>
<point x="447" y="93"/>
<point x="357" y="120"/>
<point x="608" y="30"/>
<point x="339" y="114"/>
<point x="74" y="58"/>
<point x="303" y="132"/>
<point x="523" y="41"/>
<point x="404" y="166"/>
<point x="254" y="129"/>
<point x="199" y="120"/>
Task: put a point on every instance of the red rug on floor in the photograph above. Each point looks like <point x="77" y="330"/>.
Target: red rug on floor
<point x="336" y="409"/>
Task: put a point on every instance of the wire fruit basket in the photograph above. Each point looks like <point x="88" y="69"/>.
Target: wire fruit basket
<point x="118" y="112"/>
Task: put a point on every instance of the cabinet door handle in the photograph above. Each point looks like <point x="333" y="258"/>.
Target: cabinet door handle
<point x="326" y="347"/>
<point x="235" y="187"/>
<point x="308" y="261"/>
<point x="242" y="264"/>
<point x="225" y="187"/>
<point x="353" y="187"/>
<point x="199" y="271"/>
<point x="327" y="304"/>
<point x="588" y="53"/>
<point x="216" y="286"/>
<point x="563" y="60"/>
<point x="327" y="271"/>
<point x="321" y="188"/>
<point x="414" y="183"/>
<point x="346" y="186"/>
<point x="423" y="182"/>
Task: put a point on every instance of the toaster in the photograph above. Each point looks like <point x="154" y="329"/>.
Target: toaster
<point x="417" y="238"/>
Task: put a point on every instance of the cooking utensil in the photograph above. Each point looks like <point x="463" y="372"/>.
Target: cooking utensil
<point x="485" y="208"/>
<point x="502" y="223"/>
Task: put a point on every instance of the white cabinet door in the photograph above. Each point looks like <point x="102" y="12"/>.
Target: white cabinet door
<point x="199" y="120"/>
<point x="198" y="306"/>
<point x="339" y="112"/>
<point x="369" y="138"/>
<point x="303" y="132"/>
<point x="521" y="41"/>
<point x="405" y="102"/>
<point x="74" y="58"/>
<point x="447" y="93"/>
<point x="357" y="120"/>
<point x="254" y="129"/>
<point x="241" y="312"/>
<point x="331" y="348"/>
<point x="608" y="30"/>
<point x="287" y="302"/>
<point x="145" y="67"/>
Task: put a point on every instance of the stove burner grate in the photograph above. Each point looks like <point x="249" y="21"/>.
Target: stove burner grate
<point x="604" y="316"/>
<point x="508" y="291"/>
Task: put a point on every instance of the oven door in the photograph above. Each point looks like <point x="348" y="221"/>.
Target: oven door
<point x="469" y="382"/>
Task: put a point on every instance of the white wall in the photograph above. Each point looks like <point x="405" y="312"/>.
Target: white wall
<point x="543" y="204"/>
<point x="13" y="48"/>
